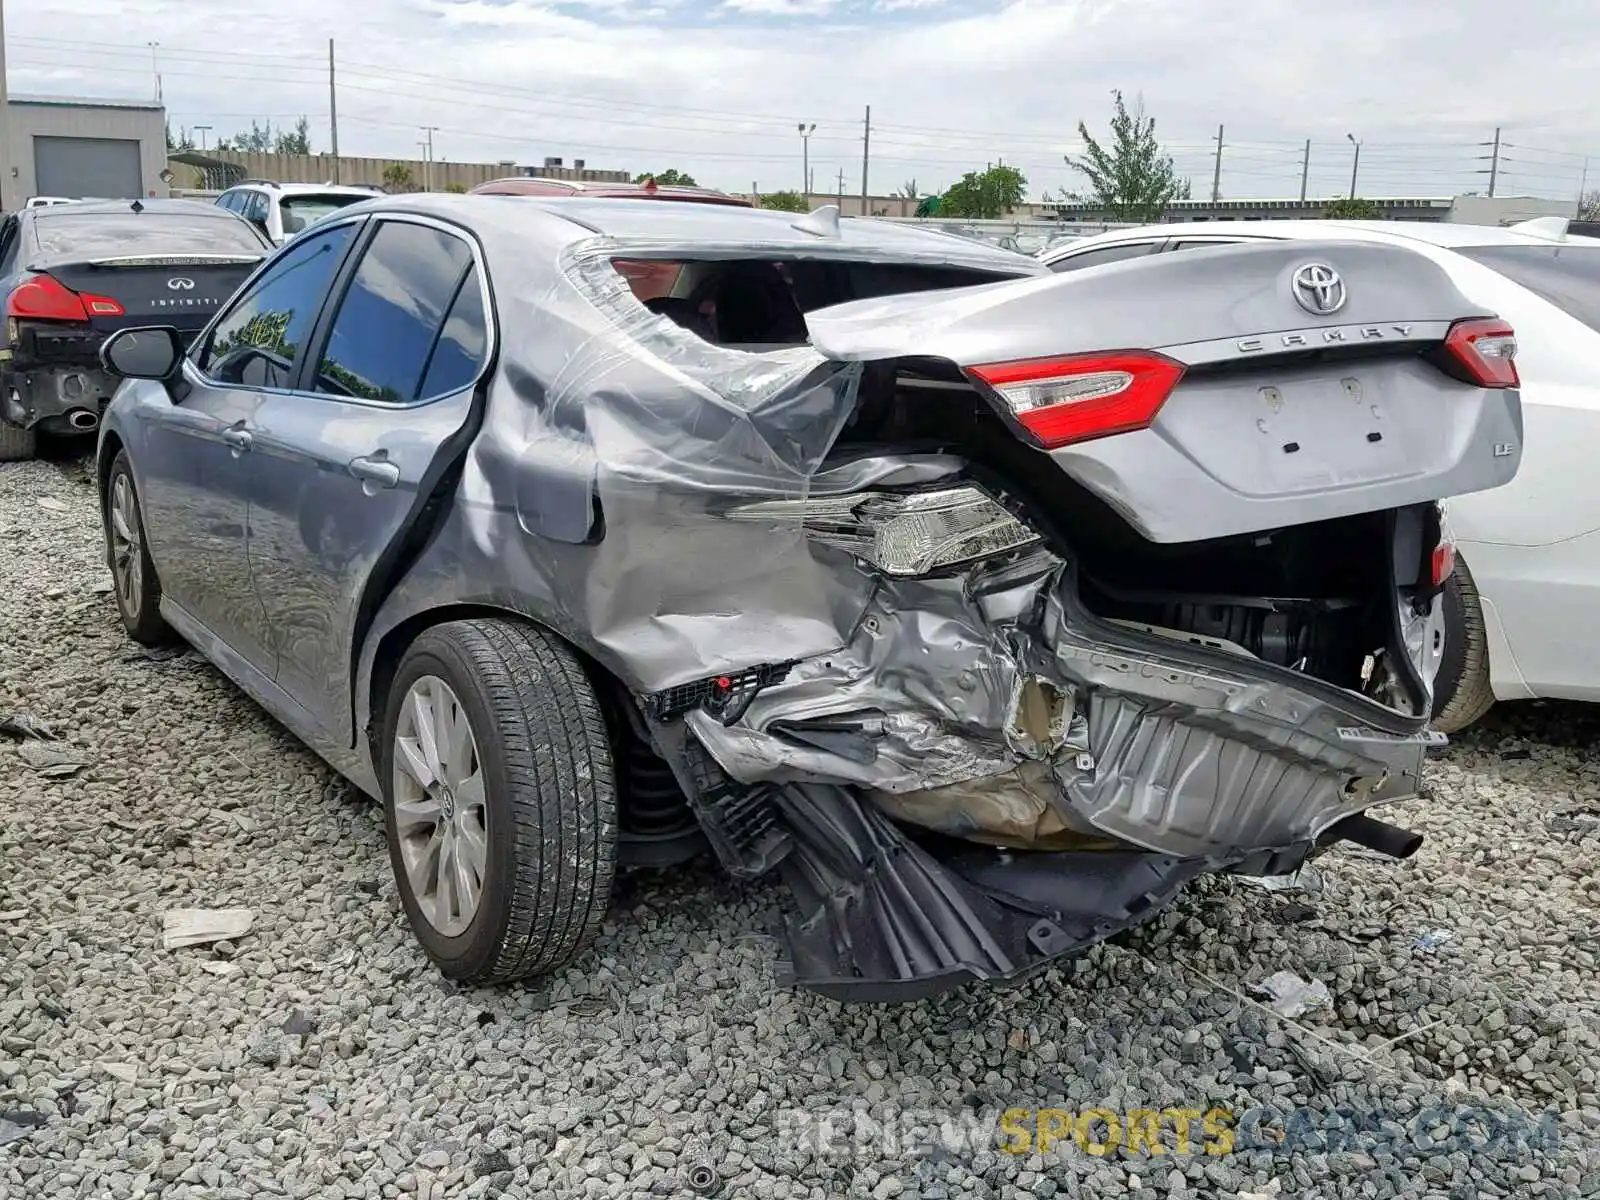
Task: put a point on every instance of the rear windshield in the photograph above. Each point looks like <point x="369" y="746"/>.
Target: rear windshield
<point x="1567" y="276"/>
<point x="300" y="211"/>
<point x="94" y="235"/>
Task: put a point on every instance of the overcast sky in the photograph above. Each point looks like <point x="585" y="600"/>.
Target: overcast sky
<point x="717" y="87"/>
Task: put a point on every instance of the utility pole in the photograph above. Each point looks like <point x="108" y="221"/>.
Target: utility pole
<point x="155" y="68"/>
<point x="1355" y="164"/>
<point x="1494" y="161"/>
<point x="1305" y="170"/>
<point x="805" y="156"/>
<point x="8" y="189"/>
<point x="333" y="114"/>
<point x="1583" y="185"/>
<point x="427" y="169"/>
<point x="1216" y="173"/>
<point x="202" y="130"/>
<point x="866" y="150"/>
<point x="841" y="189"/>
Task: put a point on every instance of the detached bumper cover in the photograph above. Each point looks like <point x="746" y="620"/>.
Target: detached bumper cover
<point x="881" y="918"/>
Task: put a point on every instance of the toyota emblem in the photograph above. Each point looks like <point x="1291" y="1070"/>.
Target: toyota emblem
<point x="1318" y="289"/>
<point x="179" y="283"/>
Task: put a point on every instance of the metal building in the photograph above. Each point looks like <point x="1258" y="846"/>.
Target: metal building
<point x="79" y="147"/>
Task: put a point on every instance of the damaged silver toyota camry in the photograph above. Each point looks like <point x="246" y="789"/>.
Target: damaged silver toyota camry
<point x="987" y="606"/>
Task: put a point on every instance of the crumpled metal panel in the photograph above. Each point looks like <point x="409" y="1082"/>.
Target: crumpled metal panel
<point x="611" y="440"/>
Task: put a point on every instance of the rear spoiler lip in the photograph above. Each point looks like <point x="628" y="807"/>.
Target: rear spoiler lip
<point x="153" y="260"/>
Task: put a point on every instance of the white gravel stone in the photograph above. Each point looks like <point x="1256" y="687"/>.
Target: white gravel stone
<point x="334" y="1063"/>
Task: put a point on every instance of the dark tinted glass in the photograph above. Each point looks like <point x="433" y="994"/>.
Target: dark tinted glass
<point x="387" y="322"/>
<point x="97" y="235"/>
<point x="1106" y="254"/>
<point x="459" y="351"/>
<point x="256" y="343"/>
<point x="1567" y="276"/>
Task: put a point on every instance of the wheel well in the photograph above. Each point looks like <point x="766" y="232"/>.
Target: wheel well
<point x="393" y="645"/>
<point x="110" y="447"/>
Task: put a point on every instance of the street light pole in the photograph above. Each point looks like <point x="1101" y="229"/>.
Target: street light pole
<point x="155" y="69"/>
<point x="805" y="157"/>
<point x="1355" y="164"/>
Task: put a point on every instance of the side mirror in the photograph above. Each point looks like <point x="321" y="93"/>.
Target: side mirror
<point x="154" y="352"/>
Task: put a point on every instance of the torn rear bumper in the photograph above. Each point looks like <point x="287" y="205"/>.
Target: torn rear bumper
<point x="882" y="918"/>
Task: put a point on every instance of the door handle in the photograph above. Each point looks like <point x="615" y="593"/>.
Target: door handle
<point x="239" y="439"/>
<point x="375" y="470"/>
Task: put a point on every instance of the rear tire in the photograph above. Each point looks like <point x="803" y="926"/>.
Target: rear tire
<point x="537" y="826"/>
<point x="16" y="444"/>
<point x="1461" y="692"/>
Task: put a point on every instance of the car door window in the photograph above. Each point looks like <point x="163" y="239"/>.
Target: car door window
<point x="8" y="245"/>
<point x="257" y="209"/>
<point x="1102" y="254"/>
<point x="256" y="343"/>
<point x="383" y="335"/>
<point x="1202" y="243"/>
<point x="463" y="340"/>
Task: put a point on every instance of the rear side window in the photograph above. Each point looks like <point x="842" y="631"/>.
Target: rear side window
<point x="102" y="235"/>
<point x="383" y="335"/>
<point x="1566" y="276"/>
<point x="458" y="353"/>
<point x="256" y="342"/>
<point x="1105" y="254"/>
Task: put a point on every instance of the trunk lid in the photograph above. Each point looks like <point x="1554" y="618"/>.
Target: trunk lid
<point x="1282" y="415"/>
<point x="182" y="290"/>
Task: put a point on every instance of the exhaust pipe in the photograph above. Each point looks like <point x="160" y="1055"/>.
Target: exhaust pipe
<point x="82" y="419"/>
<point x="1376" y="835"/>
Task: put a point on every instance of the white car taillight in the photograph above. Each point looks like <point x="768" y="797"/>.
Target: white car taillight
<point x="903" y="534"/>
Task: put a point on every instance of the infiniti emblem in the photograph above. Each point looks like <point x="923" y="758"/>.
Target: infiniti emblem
<point x="178" y="283"/>
<point x="1318" y="289"/>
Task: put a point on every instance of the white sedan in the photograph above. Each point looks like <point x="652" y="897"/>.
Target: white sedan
<point x="1521" y="605"/>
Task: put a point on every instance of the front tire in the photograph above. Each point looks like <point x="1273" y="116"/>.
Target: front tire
<point x="1461" y="691"/>
<point x="133" y="574"/>
<point x="17" y="444"/>
<point x="499" y="799"/>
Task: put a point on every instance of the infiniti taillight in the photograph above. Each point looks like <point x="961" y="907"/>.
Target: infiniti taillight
<point x="1486" y="350"/>
<point x="1081" y="396"/>
<point x="45" y="298"/>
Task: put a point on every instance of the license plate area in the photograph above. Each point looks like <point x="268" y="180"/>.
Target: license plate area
<point x="1293" y="433"/>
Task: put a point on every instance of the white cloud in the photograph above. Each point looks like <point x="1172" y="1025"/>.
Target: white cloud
<point x="716" y="86"/>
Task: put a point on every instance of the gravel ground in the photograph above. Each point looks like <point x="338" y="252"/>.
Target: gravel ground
<point x="320" y="1056"/>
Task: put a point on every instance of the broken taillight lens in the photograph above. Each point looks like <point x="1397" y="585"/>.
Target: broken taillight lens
<point x="1486" y="349"/>
<point x="1082" y="396"/>
<point x="1443" y="564"/>
<point x="903" y="534"/>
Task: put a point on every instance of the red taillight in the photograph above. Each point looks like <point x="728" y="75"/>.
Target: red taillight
<point x="1083" y="396"/>
<point x="44" y="298"/>
<point x="1444" y="562"/>
<point x="1486" y="350"/>
<point x="101" y="306"/>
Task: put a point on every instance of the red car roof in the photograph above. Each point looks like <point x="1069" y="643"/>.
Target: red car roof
<point x="527" y="185"/>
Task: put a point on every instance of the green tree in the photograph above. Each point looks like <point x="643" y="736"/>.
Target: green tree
<point x="1351" y="208"/>
<point x="397" y="178"/>
<point x="294" y="141"/>
<point x="455" y="188"/>
<point x="1131" y="178"/>
<point x="671" y="177"/>
<point x="180" y="144"/>
<point x="785" y="202"/>
<point x="985" y="195"/>
<point x="1589" y="206"/>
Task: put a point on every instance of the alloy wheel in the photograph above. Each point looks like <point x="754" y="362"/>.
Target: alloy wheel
<point x="127" y="558"/>
<point x="440" y="810"/>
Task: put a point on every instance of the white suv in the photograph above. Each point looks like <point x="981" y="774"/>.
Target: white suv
<point x="281" y="210"/>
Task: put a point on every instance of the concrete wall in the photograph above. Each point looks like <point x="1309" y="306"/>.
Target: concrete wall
<point x="321" y="168"/>
<point x="36" y="118"/>
<point x="1507" y="210"/>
